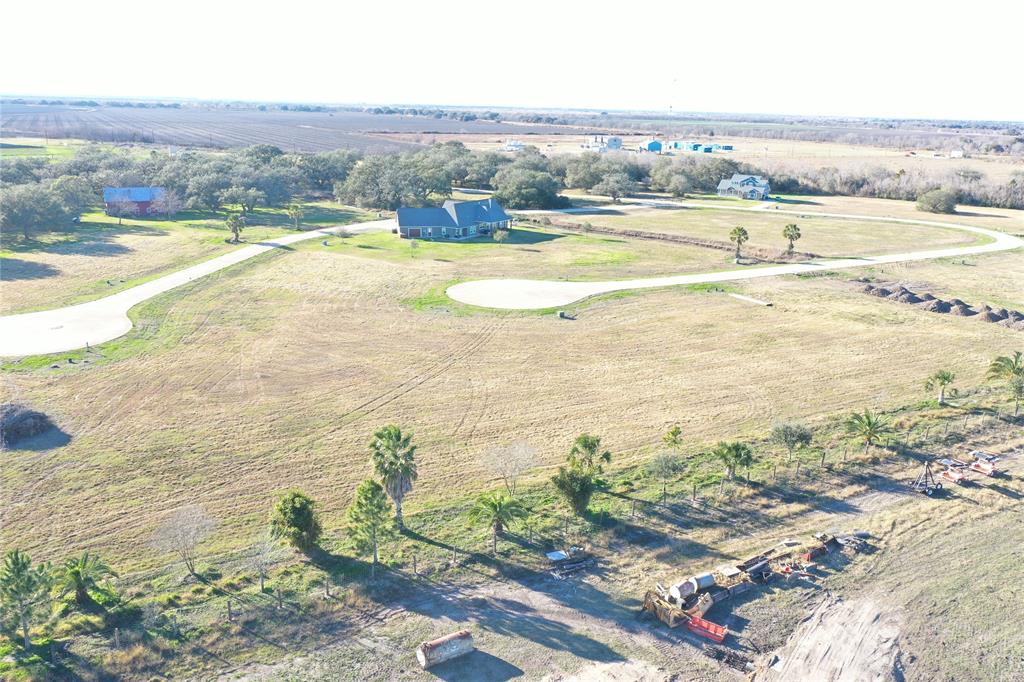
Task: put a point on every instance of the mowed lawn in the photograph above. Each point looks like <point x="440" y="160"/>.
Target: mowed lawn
<point x="829" y="237"/>
<point x="99" y="257"/>
<point x="275" y="374"/>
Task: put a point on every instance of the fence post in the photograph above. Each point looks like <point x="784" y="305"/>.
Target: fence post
<point x="721" y="488"/>
<point x="964" y="427"/>
<point x="117" y="638"/>
<point x="231" y="616"/>
<point x="632" y="508"/>
<point x="775" y="470"/>
<point x="694" y="492"/>
<point x="822" y="459"/>
<point x="280" y="598"/>
<point x="415" y="571"/>
<point x="797" y="475"/>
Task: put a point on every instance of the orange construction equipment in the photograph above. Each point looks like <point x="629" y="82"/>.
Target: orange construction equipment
<point x="705" y="628"/>
<point x="953" y="476"/>
<point x="983" y="467"/>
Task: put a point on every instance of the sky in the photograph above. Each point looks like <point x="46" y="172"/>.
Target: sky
<point x="899" y="58"/>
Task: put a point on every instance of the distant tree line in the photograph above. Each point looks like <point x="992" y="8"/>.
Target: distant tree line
<point x="39" y="194"/>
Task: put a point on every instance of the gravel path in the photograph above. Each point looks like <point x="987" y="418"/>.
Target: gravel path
<point x="94" y="322"/>
<point x="527" y="294"/>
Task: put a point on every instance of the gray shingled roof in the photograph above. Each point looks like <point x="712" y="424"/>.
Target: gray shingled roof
<point x="133" y="194"/>
<point x="453" y="214"/>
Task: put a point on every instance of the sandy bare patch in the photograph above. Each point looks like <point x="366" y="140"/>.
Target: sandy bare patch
<point x="842" y="641"/>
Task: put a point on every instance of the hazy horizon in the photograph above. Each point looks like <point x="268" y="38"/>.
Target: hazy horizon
<point x="801" y="59"/>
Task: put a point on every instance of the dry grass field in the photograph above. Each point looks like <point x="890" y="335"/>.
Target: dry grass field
<point x="274" y="374"/>
<point x="821" y="236"/>
<point x="100" y="257"/>
<point x="773" y="155"/>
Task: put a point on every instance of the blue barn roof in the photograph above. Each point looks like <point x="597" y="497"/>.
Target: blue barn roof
<point x="453" y="214"/>
<point x="134" y="194"/>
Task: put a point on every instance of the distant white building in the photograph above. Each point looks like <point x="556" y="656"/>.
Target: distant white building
<point x="512" y="146"/>
<point x="956" y="154"/>
<point x="744" y="187"/>
<point x="601" y="143"/>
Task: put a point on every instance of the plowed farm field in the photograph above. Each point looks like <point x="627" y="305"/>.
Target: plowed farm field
<point x="223" y="127"/>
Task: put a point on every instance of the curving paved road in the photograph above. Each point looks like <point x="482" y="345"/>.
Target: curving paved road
<point x="528" y="294"/>
<point x="94" y="322"/>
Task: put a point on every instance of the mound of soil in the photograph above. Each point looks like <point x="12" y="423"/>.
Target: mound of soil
<point x="927" y="297"/>
<point x="936" y="306"/>
<point x="1003" y="313"/>
<point x="989" y="316"/>
<point x="868" y="288"/>
<point x="956" y="302"/>
<point x="908" y="297"/>
<point x="1010" y="323"/>
<point x="1016" y="316"/>
<point x="961" y="309"/>
<point x="18" y="422"/>
<point x="882" y="292"/>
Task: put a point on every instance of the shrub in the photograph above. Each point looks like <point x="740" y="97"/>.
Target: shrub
<point x="294" y="518"/>
<point x="577" y="487"/>
<point x="937" y="201"/>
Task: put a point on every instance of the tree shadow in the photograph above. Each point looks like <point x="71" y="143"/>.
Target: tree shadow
<point x="12" y="269"/>
<point x="477" y="665"/>
<point x="791" y="202"/>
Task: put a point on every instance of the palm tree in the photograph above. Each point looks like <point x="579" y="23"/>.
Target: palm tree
<point x="83" y="574"/>
<point x="393" y="455"/>
<point x="867" y="427"/>
<point x="733" y="455"/>
<point x="1010" y="369"/>
<point x="792" y="233"/>
<point x="739" y="237"/>
<point x="497" y="511"/>
<point x="1017" y="393"/>
<point x="1007" y="368"/>
<point x="940" y="380"/>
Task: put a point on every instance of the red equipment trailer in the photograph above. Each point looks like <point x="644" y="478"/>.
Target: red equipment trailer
<point x="705" y="628"/>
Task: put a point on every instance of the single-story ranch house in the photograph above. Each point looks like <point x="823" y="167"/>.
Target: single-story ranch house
<point x="132" y="200"/>
<point x="453" y="220"/>
<point x="745" y="187"/>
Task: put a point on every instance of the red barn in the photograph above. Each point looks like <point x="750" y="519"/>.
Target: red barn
<point x="122" y="201"/>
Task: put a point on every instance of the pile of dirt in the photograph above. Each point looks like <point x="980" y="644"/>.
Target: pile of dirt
<point x="935" y="305"/>
<point x="18" y="422"/>
<point x="1012" y="319"/>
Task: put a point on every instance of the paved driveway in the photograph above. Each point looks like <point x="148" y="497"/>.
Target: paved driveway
<point x="528" y="294"/>
<point x="63" y="329"/>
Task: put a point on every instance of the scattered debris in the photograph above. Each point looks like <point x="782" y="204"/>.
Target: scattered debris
<point x="567" y="563"/>
<point x="728" y="657"/>
<point x="755" y="301"/>
<point x="444" y="648"/>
